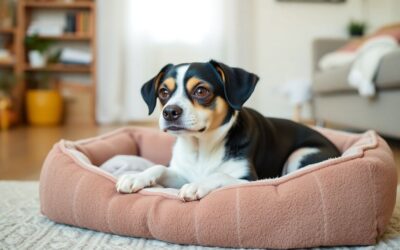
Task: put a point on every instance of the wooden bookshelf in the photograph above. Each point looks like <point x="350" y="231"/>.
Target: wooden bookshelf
<point x="59" y="5"/>
<point x="62" y="68"/>
<point x="20" y="66"/>
<point x="9" y="31"/>
<point x="72" y="86"/>
<point x="25" y="11"/>
<point x="10" y="66"/>
<point x="68" y="37"/>
<point x="7" y="64"/>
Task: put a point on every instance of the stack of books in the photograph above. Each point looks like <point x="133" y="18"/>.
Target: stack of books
<point x="78" y="22"/>
<point x="75" y="56"/>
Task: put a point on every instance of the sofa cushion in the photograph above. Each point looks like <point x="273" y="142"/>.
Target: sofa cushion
<point x="332" y="80"/>
<point x="388" y="75"/>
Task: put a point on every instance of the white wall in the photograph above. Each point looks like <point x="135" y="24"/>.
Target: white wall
<point x="381" y="12"/>
<point x="284" y="34"/>
<point x="270" y="38"/>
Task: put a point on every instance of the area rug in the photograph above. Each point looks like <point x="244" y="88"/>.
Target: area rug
<point x="23" y="227"/>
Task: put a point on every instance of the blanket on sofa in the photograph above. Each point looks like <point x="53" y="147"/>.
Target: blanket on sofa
<point x="23" y="227"/>
<point x="365" y="62"/>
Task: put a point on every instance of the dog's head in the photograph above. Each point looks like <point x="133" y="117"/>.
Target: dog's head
<point x="198" y="97"/>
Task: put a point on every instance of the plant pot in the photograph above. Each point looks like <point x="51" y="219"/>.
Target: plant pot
<point x="356" y="33"/>
<point x="5" y="112"/>
<point x="36" y="59"/>
<point x="44" y="107"/>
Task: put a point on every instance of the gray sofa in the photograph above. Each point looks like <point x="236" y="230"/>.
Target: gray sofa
<point x="336" y="102"/>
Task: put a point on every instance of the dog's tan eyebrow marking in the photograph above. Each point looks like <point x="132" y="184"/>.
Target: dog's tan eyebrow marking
<point x="192" y="83"/>
<point x="169" y="83"/>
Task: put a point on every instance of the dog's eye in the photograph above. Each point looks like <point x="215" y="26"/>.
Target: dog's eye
<point x="163" y="93"/>
<point x="201" y="92"/>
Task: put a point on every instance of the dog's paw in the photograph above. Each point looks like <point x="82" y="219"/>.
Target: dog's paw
<point x="194" y="191"/>
<point x="132" y="183"/>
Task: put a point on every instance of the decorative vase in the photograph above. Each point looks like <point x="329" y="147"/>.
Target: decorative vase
<point x="44" y="107"/>
<point x="5" y="112"/>
<point x="36" y="59"/>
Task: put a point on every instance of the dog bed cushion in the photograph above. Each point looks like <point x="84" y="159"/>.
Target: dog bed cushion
<point x="343" y="201"/>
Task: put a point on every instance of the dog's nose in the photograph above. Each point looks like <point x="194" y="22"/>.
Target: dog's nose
<point x="172" y="113"/>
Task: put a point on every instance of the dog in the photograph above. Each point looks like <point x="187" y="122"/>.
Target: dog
<point x="219" y="142"/>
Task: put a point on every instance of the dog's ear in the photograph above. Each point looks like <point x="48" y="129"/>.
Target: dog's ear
<point x="149" y="89"/>
<point x="238" y="83"/>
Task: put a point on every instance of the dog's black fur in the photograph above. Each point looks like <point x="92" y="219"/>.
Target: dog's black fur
<point x="268" y="142"/>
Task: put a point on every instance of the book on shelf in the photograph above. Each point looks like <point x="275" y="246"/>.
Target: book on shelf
<point x="70" y="22"/>
<point x="78" y="22"/>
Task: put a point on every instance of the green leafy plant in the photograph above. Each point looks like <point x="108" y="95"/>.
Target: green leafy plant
<point x="34" y="42"/>
<point x="356" y="28"/>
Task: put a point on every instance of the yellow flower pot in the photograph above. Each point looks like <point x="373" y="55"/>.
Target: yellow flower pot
<point x="5" y="113"/>
<point x="44" y="107"/>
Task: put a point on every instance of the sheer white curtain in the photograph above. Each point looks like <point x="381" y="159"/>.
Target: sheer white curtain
<point x="137" y="37"/>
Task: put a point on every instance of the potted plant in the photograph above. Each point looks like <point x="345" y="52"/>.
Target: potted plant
<point x="37" y="50"/>
<point x="356" y="28"/>
<point x="44" y="103"/>
<point x="7" y="115"/>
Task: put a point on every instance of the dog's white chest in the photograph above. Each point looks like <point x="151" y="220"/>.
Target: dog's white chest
<point x="197" y="162"/>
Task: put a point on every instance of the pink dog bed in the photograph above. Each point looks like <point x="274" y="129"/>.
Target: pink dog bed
<point x="344" y="201"/>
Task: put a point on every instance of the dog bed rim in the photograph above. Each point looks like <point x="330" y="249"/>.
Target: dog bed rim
<point x="65" y="146"/>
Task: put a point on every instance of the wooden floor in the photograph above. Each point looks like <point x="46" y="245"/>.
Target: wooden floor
<point x="23" y="149"/>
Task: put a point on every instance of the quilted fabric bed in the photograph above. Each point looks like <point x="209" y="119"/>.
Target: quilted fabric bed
<point x="344" y="201"/>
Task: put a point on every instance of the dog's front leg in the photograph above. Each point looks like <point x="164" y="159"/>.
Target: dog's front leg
<point x="197" y="190"/>
<point x="131" y="183"/>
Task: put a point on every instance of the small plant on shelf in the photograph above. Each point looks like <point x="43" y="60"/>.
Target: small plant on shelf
<point x="37" y="50"/>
